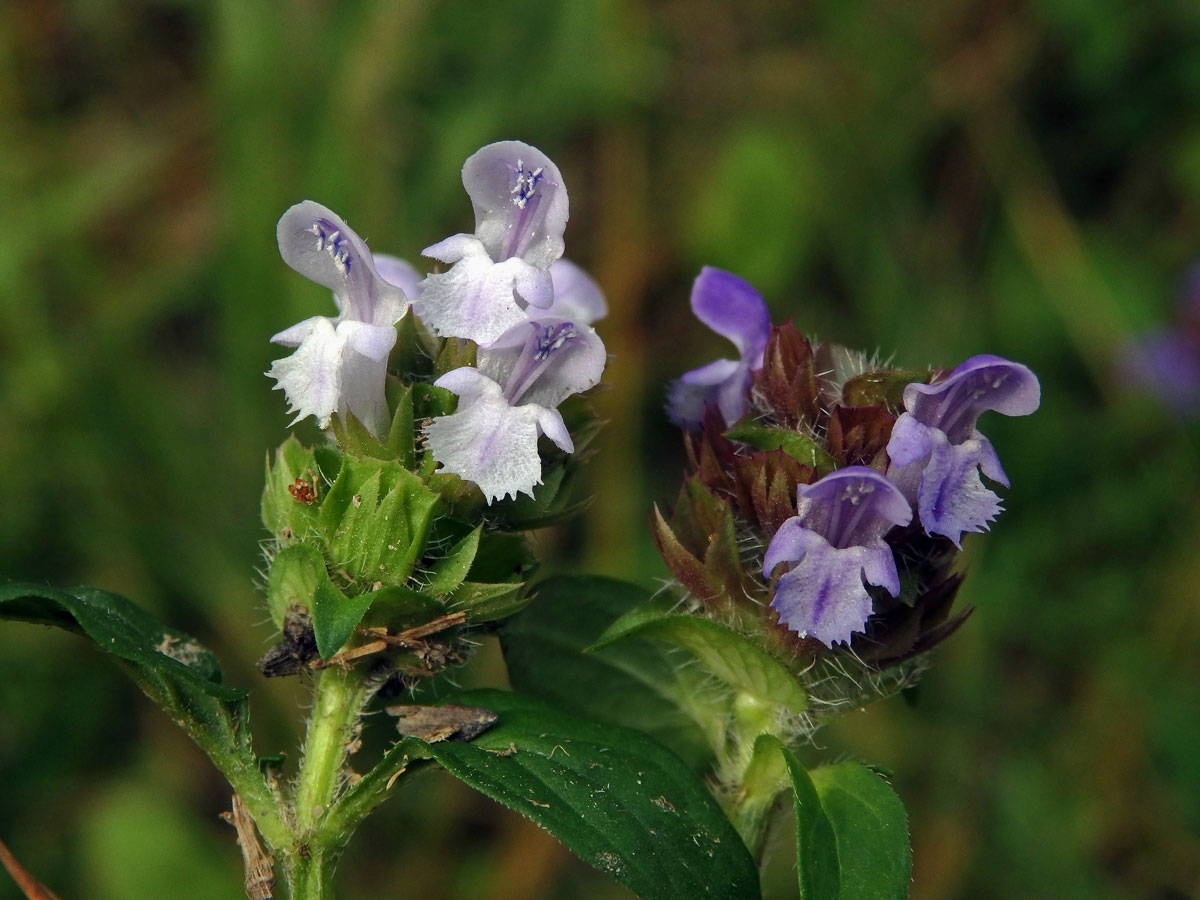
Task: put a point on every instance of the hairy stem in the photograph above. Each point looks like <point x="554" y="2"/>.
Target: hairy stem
<point x="339" y="696"/>
<point x="752" y="770"/>
<point x="310" y="874"/>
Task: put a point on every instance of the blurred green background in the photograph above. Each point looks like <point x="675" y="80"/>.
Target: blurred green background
<point x="930" y="179"/>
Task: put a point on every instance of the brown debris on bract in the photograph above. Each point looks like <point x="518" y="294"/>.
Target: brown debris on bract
<point x="304" y="491"/>
<point x="442" y="723"/>
<point x="295" y="648"/>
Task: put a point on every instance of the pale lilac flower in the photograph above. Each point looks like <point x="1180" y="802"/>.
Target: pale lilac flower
<point x="732" y="308"/>
<point x="936" y="452"/>
<point x="401" y="273"/>
<point x="510" y="399"/>
<point x="834" y="545"/>
<point x="576" y="296"/>
<point x="504" y="267"/>
<point x="340" y="364"/>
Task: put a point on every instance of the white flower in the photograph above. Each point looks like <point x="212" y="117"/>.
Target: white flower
<point x="510" y="399"/>
<point x="501" y="270"/>
<point x="340" y="364"/>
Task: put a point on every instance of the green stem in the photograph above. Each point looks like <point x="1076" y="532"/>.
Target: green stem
<point x="376" y="786"/>
<point x="751" y="809"/>
<point x="233" y="756"/>
<point x="317" y="841"/>
<point x="263" y="803"/>
<point x="311" y="875"/>
<point x="753" y="769"/>
<point x="338" y="700"/>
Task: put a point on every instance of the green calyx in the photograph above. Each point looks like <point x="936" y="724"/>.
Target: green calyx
<point x="372" y="551"/>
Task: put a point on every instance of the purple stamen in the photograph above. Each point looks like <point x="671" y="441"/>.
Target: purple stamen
<point x="855" y="494"/>
<point x="526" y="197"/>
<point x="546" y="341"/>
<point x="526" y="183"/>
<point x="331" y="240"/>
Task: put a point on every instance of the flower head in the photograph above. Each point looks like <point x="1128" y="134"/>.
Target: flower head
<point x="340" y="364"/>
<point x="732" y="308"/>
<point x="936" y="452"/>
<point x="510" y="399"/>
<point x="502" y="269"/>
<point x="835" y="547"/>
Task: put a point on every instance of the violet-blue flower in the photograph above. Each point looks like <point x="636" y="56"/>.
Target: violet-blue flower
<point x="835" y="547"/>
<point x="340" y="364"/>
<point x="732" y="308"/>
<point x="510" y="399"/>
<point x="936" y="452"/>
<point x="1166" y="362"/>
<point x="502" y="269"/>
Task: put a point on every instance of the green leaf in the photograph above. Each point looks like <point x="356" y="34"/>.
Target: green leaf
<point x="799" y="447"/>
<point x="396" y="608"/>
<point x="871" y="831"/>
<point x="453" y="354"/>
<point x="173" y="670"/>
<point x="552" y="500"/>
<point x="295" y="573"/>
<point x="400" y="441"/>
<point x="621" y="801"/>
<point x="376" y="518"/>
<point x="502" y="556"/>
<point x="281" y="511"/>
<point x="765" y="777"/>
<point x="729" y="656"/>
<point x="354" y="438"/>
<point x="637" y="683"/>
<point x="448" y="572"/>
<point x="413" y="353"/>
<point x="335" y="616"/>
<point x="851" y="834"/>
<point x="487" y="602"/>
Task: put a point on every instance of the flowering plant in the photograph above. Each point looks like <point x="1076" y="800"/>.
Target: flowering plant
<point x="814" y="547"/>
